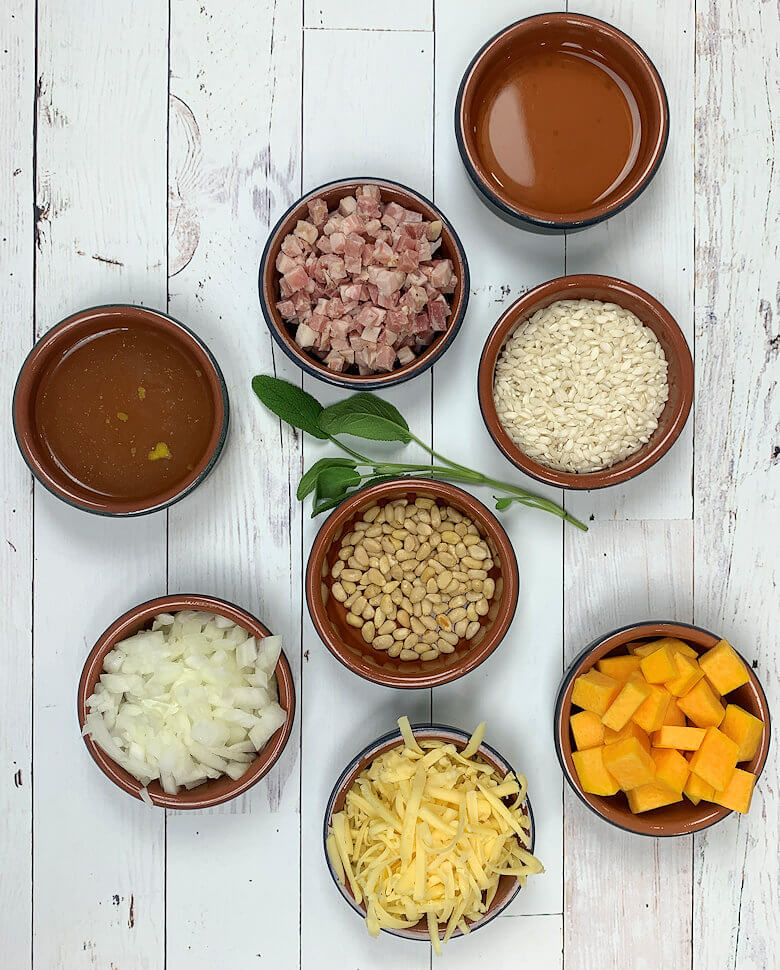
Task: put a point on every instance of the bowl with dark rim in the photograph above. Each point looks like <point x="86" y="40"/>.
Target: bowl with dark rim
<point x="451" y="248"/>
<point x="217" y="790"/>
<point x="652" y="314"/>
<point x="54" y="347"/>
<point x="618" y="56"/>
<point x="508" y="886"/>
<point x="680" y="818"/>
<point x="346" y="643"/>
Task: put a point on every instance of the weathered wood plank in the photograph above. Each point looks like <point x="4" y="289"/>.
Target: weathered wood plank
<point x="17" y="88"/>
<point x="357" y="14"/>
<point x="737" y="471"/>
<point x="101" y="113"/>
<point x="624" y="572"/>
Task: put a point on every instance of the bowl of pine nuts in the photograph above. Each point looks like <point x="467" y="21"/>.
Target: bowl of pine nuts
<point x="412" y="583"/>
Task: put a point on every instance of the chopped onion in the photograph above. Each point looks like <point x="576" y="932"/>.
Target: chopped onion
<point x="193" y="698"/>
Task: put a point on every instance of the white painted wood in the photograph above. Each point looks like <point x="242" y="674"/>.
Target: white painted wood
<point x="17" y="86"/>
<point x="369" y="14"/>
<point x="101" y="112"/>
<point x="634" y="893"/>
<point x="650" y="244"/>
<point x="510" y="941"/>
<point x="737" y="472"/>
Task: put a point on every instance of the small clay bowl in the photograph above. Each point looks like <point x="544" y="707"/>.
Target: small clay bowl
<point x="217" y="790"/>
<point x="451" y="248"/>
<point x="346" y="643"/>
<point x="608" y="289"/>
<point x="602" y="43"/>
<point x="683" y="817"/>
<point x="63" y="338"/>
<point x="508" y="886"/>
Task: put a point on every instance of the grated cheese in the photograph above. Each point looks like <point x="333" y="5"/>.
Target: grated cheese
<point x="426" y="834"/>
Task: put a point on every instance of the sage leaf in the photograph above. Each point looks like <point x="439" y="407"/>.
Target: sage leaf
<point x="366" y="416"/>
<point x="310" y="477"/>
<point x="333" y="482"/>
<point x="503" y="503"/>
<point x="290" y="403"/>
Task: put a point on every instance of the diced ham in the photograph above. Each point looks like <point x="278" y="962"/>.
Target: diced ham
<point x="415" y="298"/>
<point x="391" y="300"/>
<point x="408" y="261"/>
<point x="415" y="229"/>
<point x="347" y="205"/>
<point x="286" y="308"/>
<point x="337" y="240"/>
<point x="285" y="289"/>
<point x="335" y="308"/>
<point x="285" y="263"/>
<point x="305" y="230"/>
<point x="318" y="322"/>
<point x="397" y="320"/>
<point x="382" y="254"/>
<point x="438" y="312"/>
<point x="333" y="224"/>
<point x="372" y="191"/>
<point x="367" y="207"/>
<point x="405" y="356"/>
<point x="389" y="280"/>
<point x="291" y="246"/>
<point x="305" y="336"/>
<point x="367" y="254"/>
<point x="373" y="292"/>
<point x="335" y="361"/>
<point x="352" y="223"/>
<point x="296" y="279"/>
<point x="318" y="211"/>
<point x="324" y="244"/>
<point x="333" y="267"/>
<point x="372" y="228"/>
<point x="385" y="357"/>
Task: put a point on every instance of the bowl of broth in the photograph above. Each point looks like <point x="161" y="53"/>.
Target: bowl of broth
<point x="561" y="121"/>
<point x="120" y="410"/>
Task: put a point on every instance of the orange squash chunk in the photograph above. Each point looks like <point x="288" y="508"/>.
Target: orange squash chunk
<point x="701" y="706"/>
<point x="631" y="730"/>
<point x="620" y="668"/>
<point x="695" y="789"/>
<point x="647" y="797"/>
<point x="738" y="793"/>
<point x="715" y="759"/>
<point x="674" y="715"/>
<point x="678" y="646"/>
<point x="650" y="714"/>
<point x="671" y="769"/>
<point x="681" y="738"/>
<point x="688" y="675"/>
<point x="629" y="763"/>
<point x="659" y="666"/>
<point x="587" y="729"/>
<point x="744" y="729"/>
<point x="593" y="776"/>
<point x="593" y="691"/>
<point x="633" y="693"/>
<point x="724" y="667"/>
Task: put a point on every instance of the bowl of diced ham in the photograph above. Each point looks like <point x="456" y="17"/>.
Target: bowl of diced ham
<point x="364" y="283"/>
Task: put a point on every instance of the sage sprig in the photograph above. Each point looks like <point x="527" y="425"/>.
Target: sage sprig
<point x="370" y="417"/>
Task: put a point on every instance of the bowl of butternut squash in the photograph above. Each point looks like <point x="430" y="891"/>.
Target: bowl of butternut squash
<point x="662" y="728"/>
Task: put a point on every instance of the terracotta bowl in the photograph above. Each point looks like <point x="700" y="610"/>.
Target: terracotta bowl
<point x="215" y="791"/>
<point x="603" y="43"/>
<point x="346" y="643"/>
<point x="683" y="817"/>
<point x="653" y="315"/>
<point x="61" y="339"/>
<point x="508" y="887"/>
<point x="283" y="334"/>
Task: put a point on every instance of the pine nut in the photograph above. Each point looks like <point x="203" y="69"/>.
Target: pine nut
<point x="383" y="642"/>
<point x="356" y="621"/>
<point x="472" y="630"/>
<point x="338" y="592"/>
<point x="368" y="631"/>
<point x="409" y="655"/>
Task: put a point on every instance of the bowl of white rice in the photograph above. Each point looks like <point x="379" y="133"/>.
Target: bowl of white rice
<point x="585" y="382"/>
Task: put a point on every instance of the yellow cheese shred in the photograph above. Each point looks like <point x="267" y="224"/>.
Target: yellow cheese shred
<point x="426" y="833"/>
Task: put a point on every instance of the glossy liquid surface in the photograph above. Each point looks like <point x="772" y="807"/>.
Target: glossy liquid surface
<point x="557" y="130"/>
<point x="125" y="414"/>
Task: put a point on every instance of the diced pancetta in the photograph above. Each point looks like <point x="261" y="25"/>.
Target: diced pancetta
<point x="318" y="211"/>
<point x="305" y="230"/>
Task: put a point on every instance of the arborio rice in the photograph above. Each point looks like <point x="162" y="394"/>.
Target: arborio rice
<point x="581" y="385"/>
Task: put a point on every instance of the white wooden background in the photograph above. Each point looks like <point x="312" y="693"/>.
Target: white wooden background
<point x="146" y="149"/>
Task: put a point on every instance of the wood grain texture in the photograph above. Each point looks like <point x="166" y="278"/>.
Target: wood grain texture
<point x="737" y="472"/>
<point x="17" y="87"/>
<point x="101" y="113"/>
<point x="627" y="898"/>
<point x="357" y="14"/>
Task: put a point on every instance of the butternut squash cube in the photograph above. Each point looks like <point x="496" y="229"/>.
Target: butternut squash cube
<point x="671" y="769"/>
<point x="744" y="729"/>
<point x="678" y="646"/>
<point x="688" y="675"/>
<point x="620" y="668"/>
<point x="659" y="666"/>
<point x="643" y="649"/>
<point x="715" y="759"/>
<point x="650" y="714"/>
<point x="701" y="706"/>
<point x="674" y="715"/>
<point x="681" y="738"/>
<point x="594" y="691"/>
<point x="647" y="797"/>
<point x="631" y="730"/>
<point x="593" y="776"/>
<point x="634" y="692"/>
<point x="738" y="793"/>
<point x="629" y="763"/>
<point x="587" y="729"/>
<point x="724" y="667"/>
<point x="695" y="789"/>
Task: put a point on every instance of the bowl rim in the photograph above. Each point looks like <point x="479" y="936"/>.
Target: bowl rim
<point x="651" y="628"/>
<point x="40" y="348"/>
<point x="322" y="542"/>
<point x="562" y="288"/>
<point x="367" y="382"/>
<point x="144" y="612"/>
<point x="426" y="730"/>
<point x="537" y="218"/>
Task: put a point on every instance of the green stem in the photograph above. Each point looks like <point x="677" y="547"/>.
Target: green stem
<point x="349" y="451"/>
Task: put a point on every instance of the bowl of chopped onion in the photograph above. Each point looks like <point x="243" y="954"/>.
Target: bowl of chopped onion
<point x="429" y="833"/>
<point x="186" y="701"/>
